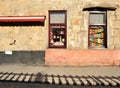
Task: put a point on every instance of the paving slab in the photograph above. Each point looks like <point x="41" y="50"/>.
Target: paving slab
<point x="79" y="71"/>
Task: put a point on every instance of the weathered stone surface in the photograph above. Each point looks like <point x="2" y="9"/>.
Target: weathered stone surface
<point x="36" y="37"/>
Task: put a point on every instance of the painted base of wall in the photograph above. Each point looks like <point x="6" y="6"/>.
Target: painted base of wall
<point x="23" y="57"/>
<point x="65" y="57"/>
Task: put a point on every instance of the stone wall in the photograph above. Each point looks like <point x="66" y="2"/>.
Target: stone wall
<point x="36" y="37"/>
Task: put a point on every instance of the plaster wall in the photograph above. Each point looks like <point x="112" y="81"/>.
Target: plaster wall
<point x="36" y="37"/>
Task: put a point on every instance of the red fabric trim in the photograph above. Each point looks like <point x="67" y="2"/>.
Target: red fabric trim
<point x="22" y="18"/>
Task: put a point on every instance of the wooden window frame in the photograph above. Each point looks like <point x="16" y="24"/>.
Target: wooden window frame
<point x="103" y="25"/>
<point x="56" y="24"/>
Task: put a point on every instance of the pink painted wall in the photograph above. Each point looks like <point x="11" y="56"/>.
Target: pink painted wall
<point x="66" y="57"/>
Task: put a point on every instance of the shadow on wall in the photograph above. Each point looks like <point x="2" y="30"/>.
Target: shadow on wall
<point x="23" y="57"/>
<point x="22" y="24"/>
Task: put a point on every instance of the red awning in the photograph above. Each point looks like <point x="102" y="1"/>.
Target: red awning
<point x="22" y="18"/>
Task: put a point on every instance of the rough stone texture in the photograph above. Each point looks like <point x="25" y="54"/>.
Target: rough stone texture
<point x="30" y="38"/>
<point x="36" y="37"/>
<point x="82" y="57"/>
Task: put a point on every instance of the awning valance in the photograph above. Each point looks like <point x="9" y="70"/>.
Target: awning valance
<point x="22" y="18"/>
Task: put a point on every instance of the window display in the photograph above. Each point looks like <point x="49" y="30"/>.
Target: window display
<point x="97" y="29"/>
<point x="57" y="36"/>
<point x="57" y="29"/>
<point x="96" y="36"/>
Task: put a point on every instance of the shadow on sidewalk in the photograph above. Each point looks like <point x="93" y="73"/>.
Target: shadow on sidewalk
<point x="15" y="80"/>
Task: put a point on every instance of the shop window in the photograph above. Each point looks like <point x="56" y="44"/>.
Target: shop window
<point x="97" y="34"/>
<point x="57" y="29"/>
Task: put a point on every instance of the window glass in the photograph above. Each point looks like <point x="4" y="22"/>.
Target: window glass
<point x="96" y="18"/>
<point x="57" y="29"/>
<point x="57" y="18"/>
<point x="97" y="30"/>
<point x="96" y="36"/>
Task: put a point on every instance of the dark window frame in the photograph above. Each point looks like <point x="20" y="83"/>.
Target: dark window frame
<point x="58" y="24"/>
<point x="102" y="25"/>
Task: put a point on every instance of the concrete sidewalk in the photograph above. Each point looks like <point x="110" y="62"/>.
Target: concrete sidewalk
<point x="80" y="71"/>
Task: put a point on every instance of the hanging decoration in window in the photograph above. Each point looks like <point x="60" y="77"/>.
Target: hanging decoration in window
<point x="57" y="29"/>
<point x="57" y="36"/>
